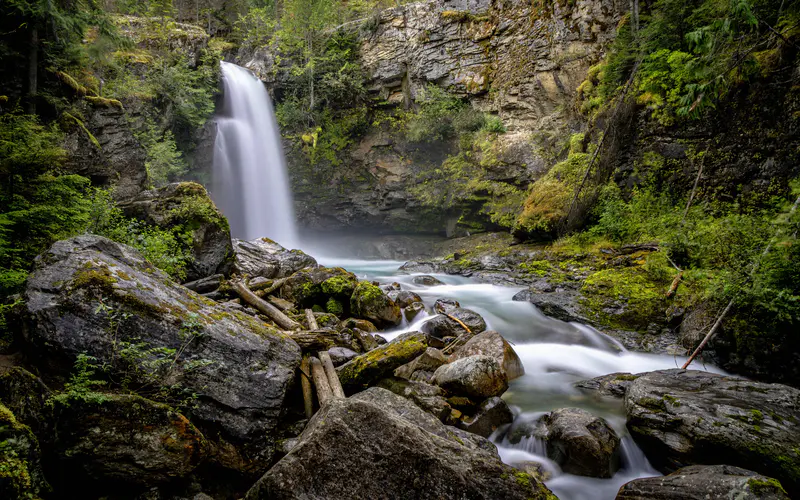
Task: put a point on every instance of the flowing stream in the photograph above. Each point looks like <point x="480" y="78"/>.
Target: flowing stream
<point x="250" y="184"/>
<point x="555" y="355"/>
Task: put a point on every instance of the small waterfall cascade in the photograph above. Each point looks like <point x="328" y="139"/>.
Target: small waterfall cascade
<point x="250" y="183"/>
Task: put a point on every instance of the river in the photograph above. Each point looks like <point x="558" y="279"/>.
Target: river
<point x="555" y="354"/>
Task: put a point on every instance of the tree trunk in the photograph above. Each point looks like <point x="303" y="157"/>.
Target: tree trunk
<point x="33" y="70"/>
<point x="305" y="381"/>
<point x="265" y="308"/>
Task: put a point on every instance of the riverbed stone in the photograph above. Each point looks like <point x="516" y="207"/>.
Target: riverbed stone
<point x="361" y="371"/>
<point x="688" y="417"/>
<point x="405" y="298"/>
<point x="341" y="355"/>
<point x="423" y="366"/>
<point x="491" y="343"/>
<point x="364" y="447"/>
<point x="124" y="438"/>
<point x="580" y="442"/>
<point x="240" y="368"/>
<point x="479" y="376"/>
<point x="442" y="306"/>
<point x="443" y="326"/>
<point x="368" y="301"/>
<point x="426" y="280"/>
<point x="411" y="311"/>
<point x="702" y="482"/>
<point x="265" y="258"/>
<point x="491" y="414"/>
<point x="362" y="324"/>
<point x="613" y="385"/>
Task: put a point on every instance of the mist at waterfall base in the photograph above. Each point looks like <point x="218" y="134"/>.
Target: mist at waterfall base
<point x="249" y="181"/>
<point x="555" y="355"/>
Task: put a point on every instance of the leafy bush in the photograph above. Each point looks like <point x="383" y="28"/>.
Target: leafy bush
<point x="434" y="119"/>
<point x="165" y="162"/>
<point x="494" y="125"/>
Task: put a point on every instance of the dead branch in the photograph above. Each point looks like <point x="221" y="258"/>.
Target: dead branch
<point x="265" y="308"/>
<point x="305" y="382"/>
<point x="312" y="321"/>
<point x="324" y="392"/>
<point x="333" y="377"/>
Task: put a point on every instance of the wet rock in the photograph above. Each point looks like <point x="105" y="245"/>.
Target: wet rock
<point x="361" y="324"/>
<point x="580" y="443"/>
<point x="426" y="280"/>
<point x="492" y="413"/>
<point x="188" y="206"/>
<point x="479" y="376"/>
<point x="492" y="344"/>
<point x="443" y="326"/>
<point x="368" y="301"/>
<point x="361" y="371"/>
<point x="405" y="298"/>
<point x="701" y="482"/>
<point x="319" y="285"/>
<point x="613" y="385"/>
<point x="442" y="306"/>
<point x="420" y="267"/>
<point x="241" y="367"/>
<point x="687" y="417"/>
<point x="341" y="355"/>
<point x="428" y="397"/>
<point x="124" y="438"/>
<point x="21" y="473"/>
<point x="563" y="305"/>
<point x="206" y="285"/>
<point x="412" y="310"/>
<point x="267" y="259"/>
<point x="380" y="435"/>
<point x="427" y="363"/>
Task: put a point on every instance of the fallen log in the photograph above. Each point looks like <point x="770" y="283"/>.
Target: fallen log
<point x="268" y="286"/>
<point x="282" y="304"/>
<point x="333" y="377"/>
<point x="305" y="381"/>
<point x="312" y="321"/>
<point x="324" y="392"/>
<point x="264" y="307"/>
<point x="316" y="340"/>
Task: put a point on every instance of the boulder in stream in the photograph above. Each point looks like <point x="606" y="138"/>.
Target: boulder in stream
<point x="702" y="482"/>
<point x="491" y="414"/>
<point x="379" y="445"/>
<point x="370" y="302"/>
<point x="426" y="280"/>
<point x="267" y="259"/>
<point x="241" y="369"/>
<point x="688" y="417"/>
<point x="491" y="343"/>
<point x="479" y="376"/>
<point x="445" y="326"/>
<point x="422" y="367"/>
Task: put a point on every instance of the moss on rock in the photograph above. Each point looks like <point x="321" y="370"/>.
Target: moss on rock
<point x="369" y="302"/>
<point x="361" y="371"/>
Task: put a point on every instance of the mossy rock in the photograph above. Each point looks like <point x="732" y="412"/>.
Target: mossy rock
<point x="623" y="298"/>
<point x="362" y="371"/>
<point x="318" y="286"/>
<point x="369" y="302"/>
<point x="26" y="395"/>
<point x="21" y="473"/>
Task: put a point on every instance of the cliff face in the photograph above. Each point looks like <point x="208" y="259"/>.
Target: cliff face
<point x="520" y="61"/>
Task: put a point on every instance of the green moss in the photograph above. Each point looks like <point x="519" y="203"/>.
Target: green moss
<point x="102" y="102"/>
<point x="333" y="306"/>
<point x="626" y="377"/>
<point x="537" y="267"/>
<point x="672" y="400"/>
<point x="765" y="486"/>
<point x="359" y="372"/>
<point x="340" y="286"/>
<point x="654" y="404"/>
<point x="523" y="479"/>
<point x="635" y="299"/>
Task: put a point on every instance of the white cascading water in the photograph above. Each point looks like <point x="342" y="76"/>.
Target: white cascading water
<point x="555" y="354"/>
<point x="250" y="184"/>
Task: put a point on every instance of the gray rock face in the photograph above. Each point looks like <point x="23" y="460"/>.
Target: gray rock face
<point x="120" y="159"/>
<point x="701" y="482"/>
<point x="442" y="326"/>
<point x="240" y="369"/>
<point x="613" y="385"/>
<point x="263" y="257"/>
<point x="442" y="306"/>
<point x="379" y="445"/>
<point x="562" y="305"/>
<point x="404" y="298"/>
<point x="411" y="311"/>
<point x="428" y="397"/>
<point x="423" y="366"/>
<point x="491" y="414"/>
<point x="179" y="204"/>
<point x="493" y="344"/>
<point x="479" y="376"/>
<point x="686" y="417"/>
<point x="580" y="443"/>
<point x="124" y="438"/>
<point x="341" y="355"/>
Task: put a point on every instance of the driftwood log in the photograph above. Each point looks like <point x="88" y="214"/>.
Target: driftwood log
<point x="324" y="393"/>
<point x="333" y="377"/>
<point x="282" y="304"/>
<point x="316" y="340"/>
<point x="264" y="307"/>
<point x="312" y="321"/>
<point x="305" y="382"/>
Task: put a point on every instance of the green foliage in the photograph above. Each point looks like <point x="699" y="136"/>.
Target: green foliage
<point x="165" y="162"/>
<point x="434" y="120"/>
<point x="82" y="385"/>
<point x="256" y="28"/>
<point x="167" y="249"/>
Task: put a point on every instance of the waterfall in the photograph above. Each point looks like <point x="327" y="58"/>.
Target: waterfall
<point x="250" y="184"/>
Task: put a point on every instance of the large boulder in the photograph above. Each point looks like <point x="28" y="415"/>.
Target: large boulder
<point x="702" y="482"/>
<point x="428" y="397"/>
<point x="89" y="295"/>
<point x="21" y="473"/>
<point x="361" y="371"/>
<point x="687" y="417"/>
<point x="379" y="445"/>
<point x="422" y="367"/>
<point x="370" y="302"/>
<point x="492" y="344"/>
<point x="26" y="396"/>
<point x="613" y="385"/>
<point x="187" y="205"/>
<point x="267" y="259"/>
<point x="327" y="287"/>
<point x="492" y="413"/>
<point x="478" y="376"/>
<point x="580" y="443"/>
<point x="125" y="439"/>
<point x="445" y="326"/>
